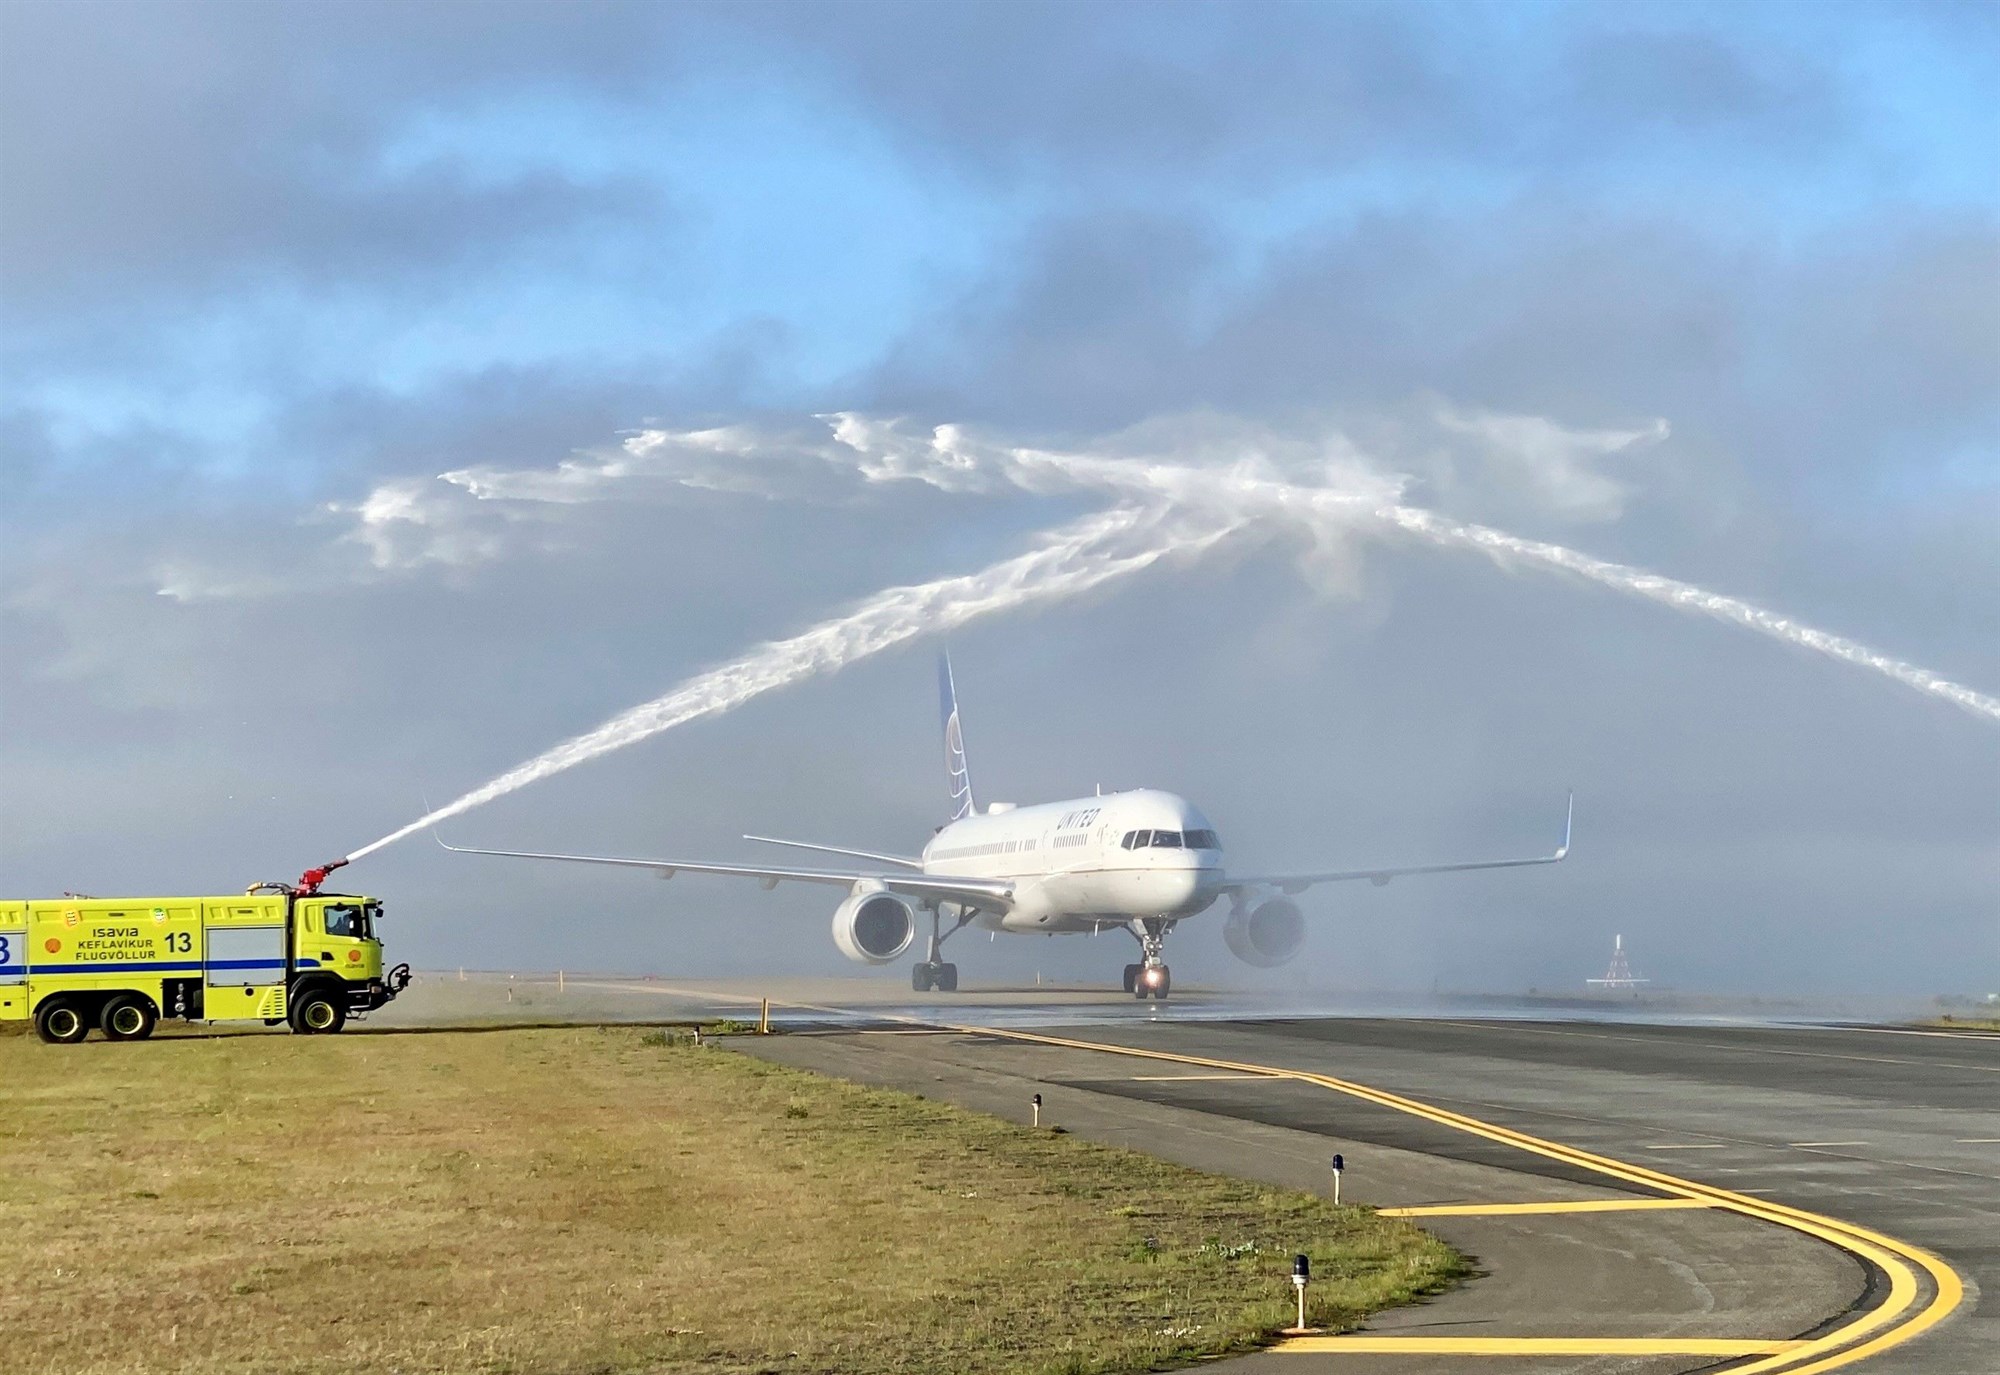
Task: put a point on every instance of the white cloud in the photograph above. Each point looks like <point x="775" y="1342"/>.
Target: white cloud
<point x="410" y="523"/>
<point x="468" y="517"/>
<point x="1529" y="462"/>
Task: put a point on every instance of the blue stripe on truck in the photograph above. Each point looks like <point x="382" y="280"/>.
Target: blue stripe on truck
<point x="162" y="966"/>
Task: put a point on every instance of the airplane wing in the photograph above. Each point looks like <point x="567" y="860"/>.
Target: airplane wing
<point x="992" y="894"/>
<point x="1298" y="883"/>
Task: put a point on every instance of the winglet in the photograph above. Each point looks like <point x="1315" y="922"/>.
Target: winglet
<point x="1569" y="820"/>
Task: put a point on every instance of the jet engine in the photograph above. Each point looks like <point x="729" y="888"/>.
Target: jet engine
<point x="873" y="927"/>
<point x="1267" y="934"/>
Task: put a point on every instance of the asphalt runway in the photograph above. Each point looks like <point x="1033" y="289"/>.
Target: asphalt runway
<point x="1897" y="1131"/>
<point x="1894" y="1130"/>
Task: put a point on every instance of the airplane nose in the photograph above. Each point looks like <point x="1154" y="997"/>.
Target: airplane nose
<point x="1180" y="884"/>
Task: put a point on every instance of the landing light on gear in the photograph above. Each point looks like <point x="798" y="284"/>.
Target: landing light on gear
<point x="1150" y="978"/>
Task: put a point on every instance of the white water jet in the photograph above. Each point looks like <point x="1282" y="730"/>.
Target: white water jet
<point x="1170" y="506"/>
<point x="1682" y="596"/>
<point x="1349" y="492"/>
<point x="1073" y="560"/>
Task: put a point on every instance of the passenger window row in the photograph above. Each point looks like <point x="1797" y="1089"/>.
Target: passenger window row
<point x="1170" y="840"/>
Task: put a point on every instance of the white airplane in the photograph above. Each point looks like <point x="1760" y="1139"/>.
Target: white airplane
<point x="1140" y="862"/>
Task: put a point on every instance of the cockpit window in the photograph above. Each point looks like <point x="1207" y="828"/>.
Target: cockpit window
<point x="1136" y="840"/>
<point x="1166" y="840"/>
<point x="1202" y="840"/>
<point x="345" y="919"/>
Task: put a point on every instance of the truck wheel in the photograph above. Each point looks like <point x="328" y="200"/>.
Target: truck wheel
<point x="317" y="1014"/>
<point x="128" y="1017"/>
<point x="61" y="1023"/>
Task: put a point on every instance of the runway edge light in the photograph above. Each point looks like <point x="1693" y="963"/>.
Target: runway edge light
<point x="1301" y="1276"/>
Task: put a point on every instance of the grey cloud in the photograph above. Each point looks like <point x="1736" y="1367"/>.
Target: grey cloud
<point x="1639" y="77"/>
<point x="1125" y="90"/>
<point x="220" y="140"/>
<point x="1888" y="340"/>
<point x="223" y="142"/>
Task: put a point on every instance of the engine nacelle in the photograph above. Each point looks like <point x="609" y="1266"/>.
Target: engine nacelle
<point x="874" y="927"/>
<point x="1267" y="934"/>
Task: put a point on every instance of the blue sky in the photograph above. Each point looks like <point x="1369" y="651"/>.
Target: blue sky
<point x="746" y="184"/>
<point x="266" y="270"/>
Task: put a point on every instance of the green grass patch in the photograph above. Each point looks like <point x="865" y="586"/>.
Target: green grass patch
<point x="611" y="1201"/>
<point x="1960" y="1022"/>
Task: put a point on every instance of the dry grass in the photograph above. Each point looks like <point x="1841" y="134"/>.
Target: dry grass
<point x="610" y="1200"/>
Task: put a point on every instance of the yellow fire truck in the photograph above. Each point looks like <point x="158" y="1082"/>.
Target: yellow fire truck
<point x="280" y="952"/>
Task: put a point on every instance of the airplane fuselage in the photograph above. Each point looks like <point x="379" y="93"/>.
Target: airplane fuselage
<point x="1086" y="864"/>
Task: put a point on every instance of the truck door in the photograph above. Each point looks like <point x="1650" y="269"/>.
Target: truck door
<point x="341" y="937"/>
<point x="243" y="966"/>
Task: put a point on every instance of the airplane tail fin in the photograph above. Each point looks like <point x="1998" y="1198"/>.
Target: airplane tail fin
<point x="960" y="777"/>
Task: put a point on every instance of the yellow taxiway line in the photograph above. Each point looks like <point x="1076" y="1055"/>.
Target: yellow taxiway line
<point x="1372" y="1344"/>
<point x="1896" y="1320"/>
<point x="1889" y="1324"/>
<point x="1582" y="1205"/>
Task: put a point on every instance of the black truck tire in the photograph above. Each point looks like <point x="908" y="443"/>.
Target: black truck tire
<point x="128" y="1017"/>
<point x="61" y="1022"/>
<point x="319" y="1011"/>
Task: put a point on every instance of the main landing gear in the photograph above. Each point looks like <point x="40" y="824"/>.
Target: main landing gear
<point x="933" y="972"/>
<point x="1150" y="978"/>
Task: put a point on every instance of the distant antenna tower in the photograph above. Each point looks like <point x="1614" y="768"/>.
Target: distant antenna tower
<point x="1620" y="973"/>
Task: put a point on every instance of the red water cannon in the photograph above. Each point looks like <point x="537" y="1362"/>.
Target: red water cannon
<point x="311" y="879"/>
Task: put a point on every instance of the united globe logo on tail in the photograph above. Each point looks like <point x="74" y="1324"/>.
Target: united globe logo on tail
<point x="959" y="774"/>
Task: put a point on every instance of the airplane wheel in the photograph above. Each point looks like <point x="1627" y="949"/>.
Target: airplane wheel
<point x="1131" y="978"/>
<point x="1146" y="986"/>
<point x="947" y="978"/>
<point x="920" y="977"/>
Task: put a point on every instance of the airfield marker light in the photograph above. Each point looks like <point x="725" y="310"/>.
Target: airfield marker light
<point x="1339" y="1164"/>
<point x="1301" y="1274"/>
<point x="1037" y="1105"/>
<point x="764" y="1019"/>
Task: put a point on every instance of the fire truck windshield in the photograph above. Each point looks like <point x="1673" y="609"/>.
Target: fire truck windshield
<point x="346" y="919"/>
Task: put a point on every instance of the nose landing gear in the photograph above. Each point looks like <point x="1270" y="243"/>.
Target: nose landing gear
<point x="1150" y="978"/>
